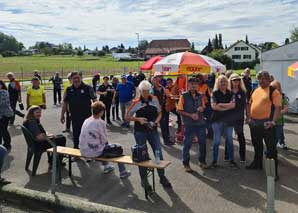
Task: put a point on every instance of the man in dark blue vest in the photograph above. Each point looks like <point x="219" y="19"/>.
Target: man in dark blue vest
<point x="191" y="107"/>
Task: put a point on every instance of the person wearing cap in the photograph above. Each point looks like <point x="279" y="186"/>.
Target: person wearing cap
<point x="14" y="90"/>
<point x="239" y="91"/>
<point x="264" y="110"/>
<point x="115" y="106"/>
<point x="66" y="84"/>
<point x="126" y="92"/>
<point x="106" y="93"/>
<point x="191" y="107"/>
<point x="57" y="81"/>
<point x="130" y="77"/>
<point x="78" y="98"/>
<point x="36" y="94"/>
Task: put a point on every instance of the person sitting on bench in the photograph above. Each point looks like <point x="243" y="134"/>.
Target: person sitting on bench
<point x="32" y="123"/>
<point x="93" y="138"/>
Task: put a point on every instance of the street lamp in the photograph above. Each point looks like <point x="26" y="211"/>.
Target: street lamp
<point x="138" y="36"/>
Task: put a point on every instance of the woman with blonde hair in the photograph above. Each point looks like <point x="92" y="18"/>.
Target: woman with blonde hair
<point x="223" y="104"/>
<point x="239" y="91"/>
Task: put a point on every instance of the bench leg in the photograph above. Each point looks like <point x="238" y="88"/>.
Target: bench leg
<point x="69" y="166"/>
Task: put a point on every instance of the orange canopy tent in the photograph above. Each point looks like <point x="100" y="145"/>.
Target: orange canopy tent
<point x="148" y="65"/>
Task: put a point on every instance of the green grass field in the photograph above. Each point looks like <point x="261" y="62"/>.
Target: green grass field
<point x="65" y="63"/>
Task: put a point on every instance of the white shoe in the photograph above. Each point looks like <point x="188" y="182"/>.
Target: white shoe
<point x="125" y="174"/>
<point x="108" y="169"/>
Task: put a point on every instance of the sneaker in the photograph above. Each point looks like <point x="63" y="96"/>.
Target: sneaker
<point x="165" y="182"/>
<point x="226" y="159"/>
<point x="242" y="161"/>
<point x="203" y="166"/>
<point x="283" y="146"/>
<point x="66" y="130"/>
<point x="74" y="159"/>
<point x="118" y="119"/>
<point x="88" y="160"/>
<point x="125" y="174"/>
<point x="108" y="169"/>
<point x="109" y="122"/>
<point x="3" y="181"/>
<point x="187" y="168"/>
<point x="233" y="165"/>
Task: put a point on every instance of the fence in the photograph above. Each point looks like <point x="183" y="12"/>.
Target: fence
<point x="46" y="74"/>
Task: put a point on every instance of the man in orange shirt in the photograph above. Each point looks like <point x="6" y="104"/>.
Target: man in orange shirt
<point x="181" y="84"/>
<point x="265" y="106"/>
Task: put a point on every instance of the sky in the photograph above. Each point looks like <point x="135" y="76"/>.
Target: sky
<point x="111" y="22"/>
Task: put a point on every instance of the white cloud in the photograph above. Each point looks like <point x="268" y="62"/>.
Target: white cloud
<point x="100" y="22"/>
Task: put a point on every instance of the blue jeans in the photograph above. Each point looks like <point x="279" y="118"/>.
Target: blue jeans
<point x="279" y="134"/>
<point x="153" y="138"/>
<point x="124" y="106"/>
<point x="218" y="129"/>
<point x="189" y="132"/>
<point x="3" y="153"/>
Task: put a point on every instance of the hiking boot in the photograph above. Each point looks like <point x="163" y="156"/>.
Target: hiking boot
<point x="125" y="174"/>
<point x="187" y="168"/>
<point x="169" y="143"/>
<point x="165" y="182"/>
<point x="108" y="169"/>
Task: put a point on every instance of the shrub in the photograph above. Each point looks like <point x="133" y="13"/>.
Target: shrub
<point x="9" y="53"/>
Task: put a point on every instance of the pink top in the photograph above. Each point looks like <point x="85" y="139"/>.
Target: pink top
<point x="93" y="137"/>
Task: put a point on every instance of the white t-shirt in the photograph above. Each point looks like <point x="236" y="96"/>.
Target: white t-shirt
<point x="93" y="137"/>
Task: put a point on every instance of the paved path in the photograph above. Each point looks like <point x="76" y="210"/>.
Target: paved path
<point x="220" y="190"/>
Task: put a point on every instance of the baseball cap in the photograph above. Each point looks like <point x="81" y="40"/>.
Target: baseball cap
<point x="123" y="76"/>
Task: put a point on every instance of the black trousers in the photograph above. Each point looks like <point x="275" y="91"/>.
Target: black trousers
<point x="4" y="134"/>
<point x="77" y="124"/>
<point x="13" y="105"/>
<point x="258" y="134"/>
<point x="57" y="92"/>
<point x="115" y="109"/>
<point x="68" y="119"/>
<point x="164" y="126"/>
<point x="107" y="113"/>
<point x="238" y="128"/>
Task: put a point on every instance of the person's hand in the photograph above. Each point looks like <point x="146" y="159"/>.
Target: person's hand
<point x="194" y="116"/>
<point x="62" y="119"/>
<point x="19" y="99"/>
<point x="142" y="120"/>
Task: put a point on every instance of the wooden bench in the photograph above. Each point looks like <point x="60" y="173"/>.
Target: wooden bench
<point x="126" y="159"/>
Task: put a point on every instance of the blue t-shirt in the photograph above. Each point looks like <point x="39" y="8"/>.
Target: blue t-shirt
<point x="163" y="82"/>
<point x="130" y="78"/>
<point x="125" y="91"/>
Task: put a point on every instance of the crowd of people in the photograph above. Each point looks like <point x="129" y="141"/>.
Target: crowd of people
<point x="206" y="107"/>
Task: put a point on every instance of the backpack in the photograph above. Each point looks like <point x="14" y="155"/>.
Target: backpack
<point x="112" y="151"/>
<point x="140" y="153"/>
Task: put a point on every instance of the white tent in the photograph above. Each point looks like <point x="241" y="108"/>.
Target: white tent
<point x="277" y="61"/>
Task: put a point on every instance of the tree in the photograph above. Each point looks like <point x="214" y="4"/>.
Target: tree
<point x="220" y="41"/>
<point x="192" y="48"/>
<point x="246" y="39"/>
<point x="287" y="41"/>
<point x="143" y="45"/>
<point x="220" y="56"/>
<point x="80" y="52"/>
<point x="215" y="42"/>
<point x="9" y="43"/>
<point x="268" y="45"/>
<point x="294" y="34"/>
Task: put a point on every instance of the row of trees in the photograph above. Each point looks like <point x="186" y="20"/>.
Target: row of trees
<point x="9" y="46"/>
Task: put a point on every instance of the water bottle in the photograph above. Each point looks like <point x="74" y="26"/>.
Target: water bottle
<point x="157" y="157"/>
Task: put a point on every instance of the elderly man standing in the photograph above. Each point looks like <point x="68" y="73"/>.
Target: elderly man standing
<point x="265" y="106"/>
<point x="77" y="98"/>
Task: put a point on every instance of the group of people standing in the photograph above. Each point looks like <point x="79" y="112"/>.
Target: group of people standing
<point x="204" y="107"/>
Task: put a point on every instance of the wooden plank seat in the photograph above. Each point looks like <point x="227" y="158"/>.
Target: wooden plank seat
<point x="125" y="159"/>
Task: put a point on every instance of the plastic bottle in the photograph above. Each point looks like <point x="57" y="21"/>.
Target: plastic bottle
<point x="157" y="157"/>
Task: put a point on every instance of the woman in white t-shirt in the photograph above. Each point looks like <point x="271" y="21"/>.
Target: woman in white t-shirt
<point x="93" y="138"/>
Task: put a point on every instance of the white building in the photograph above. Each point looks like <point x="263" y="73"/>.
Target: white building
<point x="277" y="61"/>
<point x="243" y="52"/>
